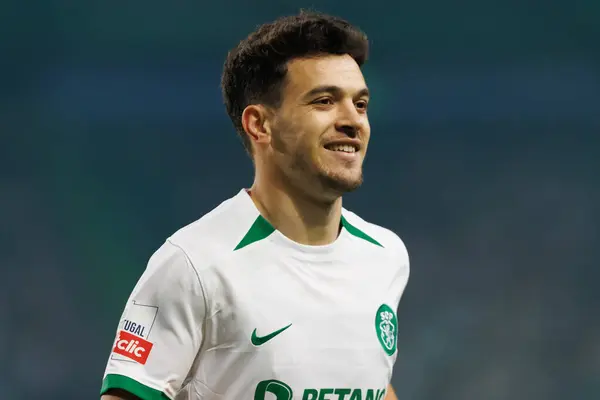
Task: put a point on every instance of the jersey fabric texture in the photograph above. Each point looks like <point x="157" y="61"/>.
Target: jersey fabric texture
<point x="230" y="308"/>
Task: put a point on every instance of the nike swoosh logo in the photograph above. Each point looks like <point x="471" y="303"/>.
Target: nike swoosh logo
<point x="260" y="340"/>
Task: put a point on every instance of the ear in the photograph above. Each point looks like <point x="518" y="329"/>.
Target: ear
<point x="256" y="123"/>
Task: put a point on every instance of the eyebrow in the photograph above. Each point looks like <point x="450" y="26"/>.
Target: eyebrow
<point x="336" y="90"/>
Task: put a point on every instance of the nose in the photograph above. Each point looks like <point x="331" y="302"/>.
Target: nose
<point x="350" y="122"/>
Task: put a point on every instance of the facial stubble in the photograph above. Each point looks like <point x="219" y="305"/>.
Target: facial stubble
<point x="300" y="166"/>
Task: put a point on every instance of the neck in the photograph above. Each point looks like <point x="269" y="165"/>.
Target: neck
<point x="295" y="214"/>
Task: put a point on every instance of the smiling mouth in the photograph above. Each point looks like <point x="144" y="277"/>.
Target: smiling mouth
<point x="344" y="148"/>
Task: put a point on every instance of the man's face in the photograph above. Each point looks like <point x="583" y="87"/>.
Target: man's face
<point x="321" y="130"/>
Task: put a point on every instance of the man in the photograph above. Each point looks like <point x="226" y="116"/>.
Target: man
<point x="279" y="292"/>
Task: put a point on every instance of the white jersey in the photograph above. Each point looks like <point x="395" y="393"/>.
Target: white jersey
<point x="230" y="308"/>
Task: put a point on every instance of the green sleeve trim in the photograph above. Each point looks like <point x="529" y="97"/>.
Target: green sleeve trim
<point x="114" y="381"/>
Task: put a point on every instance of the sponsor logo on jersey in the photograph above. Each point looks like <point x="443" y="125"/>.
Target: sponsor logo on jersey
<point x="135" y="328"/>
<point x="133" y="347"/>
<point x="343" y="394"/>
<point x="137" y="321"/>
<point x="279" y="390"/>
<point x="386" y="327"/>
<point x="260" y="340"/>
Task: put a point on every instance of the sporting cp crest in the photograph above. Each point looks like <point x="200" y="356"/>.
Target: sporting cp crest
<point x="386" y="326"/>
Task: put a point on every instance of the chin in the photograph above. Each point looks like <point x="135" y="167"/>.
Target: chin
<point x="341" y="183"/>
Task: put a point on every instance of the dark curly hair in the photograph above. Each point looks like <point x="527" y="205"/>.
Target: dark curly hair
<point x="255" y="69"/>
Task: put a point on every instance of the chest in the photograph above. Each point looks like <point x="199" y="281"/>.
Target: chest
<point x="297" y="313"/>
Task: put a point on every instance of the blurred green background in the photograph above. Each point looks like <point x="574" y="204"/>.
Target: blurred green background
<point x="484" y="159"/>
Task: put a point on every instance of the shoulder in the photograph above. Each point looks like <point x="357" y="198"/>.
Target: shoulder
<point x="387" y="238"/>
<point x="217" y="232"/>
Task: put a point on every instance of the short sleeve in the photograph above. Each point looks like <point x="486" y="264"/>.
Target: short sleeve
<point x="160" y="331"/>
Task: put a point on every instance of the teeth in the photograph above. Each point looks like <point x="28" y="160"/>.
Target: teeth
<point x="346" y="148"/>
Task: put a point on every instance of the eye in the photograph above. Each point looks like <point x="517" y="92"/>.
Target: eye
<point x="362" y="105"/>
<point x="325" y="101"/>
